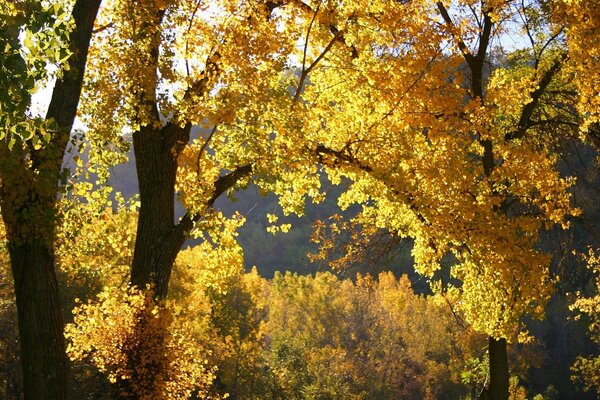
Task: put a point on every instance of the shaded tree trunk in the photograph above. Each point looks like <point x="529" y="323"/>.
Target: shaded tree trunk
<point x="30" y="184"/>
<point x="499" y="375"/>
<point x="498" y="389"/>
<point x="40" y="320"/>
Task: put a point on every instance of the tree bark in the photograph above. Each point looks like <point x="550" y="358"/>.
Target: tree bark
<point x="40" y="320"/>
<point x="498" y="388"/>
<point x="499" y="376"/>
<point x="157" y="241"/>
<point x="28" y="202"/>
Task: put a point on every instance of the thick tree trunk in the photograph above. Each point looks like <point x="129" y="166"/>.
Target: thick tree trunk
<point x="28" y="201"/>
<point x="498" y="389"/>
<point x="499" y="376"/>
<point x="157" y="241"/>
<point x="40" y="321"/>
<point x="157" y="244"/>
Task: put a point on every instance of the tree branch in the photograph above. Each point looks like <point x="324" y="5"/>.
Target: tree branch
<point x="221" y="185"/>
<point x="452" y="28"/>
<point x="525" y="119"/>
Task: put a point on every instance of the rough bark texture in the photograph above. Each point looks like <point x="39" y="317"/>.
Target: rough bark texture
<point x="28" y="201"/>
<point x="157" y="241"/>
<point x="40" y="321"/>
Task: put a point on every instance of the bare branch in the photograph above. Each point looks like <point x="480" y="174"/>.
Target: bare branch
<point x="187" y="64"/>
<point x="304" y="73"/>
<point x="452" y="28"/>
<point x="103" y="28"/>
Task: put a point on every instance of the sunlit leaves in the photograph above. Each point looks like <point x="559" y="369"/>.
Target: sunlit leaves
<point x="404" y="125"/>
<point x="94" y="244"/>
<point x="134" y="340"/>
<point x="377" y="93"/>
<point x="582" y="21"/>
<point x="34" y="41"/>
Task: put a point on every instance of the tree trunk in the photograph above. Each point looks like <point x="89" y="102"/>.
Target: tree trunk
<point x="157" y="241"/>
<point x="28" y="201"/>
<point x="499" y="376"/>
<point x="40" y="320"/>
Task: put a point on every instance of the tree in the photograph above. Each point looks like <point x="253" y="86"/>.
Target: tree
<point x="373" y="338"/>
<point x="34" y="36"/>
<point x="582" y="24"/>
<point x="448" y="149"/>
<point x="159" y="71"/>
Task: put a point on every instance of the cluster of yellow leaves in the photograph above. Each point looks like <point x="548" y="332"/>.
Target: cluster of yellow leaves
<point x="368" y="339"/>
<point x="208" y="267"/>
<point x="140" y="345"/>
<point x="94" y="243"/>
<point x="224" y="306"/>
<point x="381" y="86"/>
<point x="223" y="66"/>
<point x="172" y="343"/>
<point x="582" y="20"/>
<point x="350" y="239"/>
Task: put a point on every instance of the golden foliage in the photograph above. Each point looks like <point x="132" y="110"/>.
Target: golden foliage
<point x="371" y="339"/>
<point x="395" y="114"/>
<point x="142" y="347"/>
<point x="582" y="21"/>
<point x="94" y="244"/>
<point x="372" y="92"/>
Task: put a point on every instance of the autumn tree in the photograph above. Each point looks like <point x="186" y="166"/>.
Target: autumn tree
<point x="582" y="20"/>
<point x="38" y="37"/>
<point x="447" y="148"/>
<point x="159" y="70"/>
<point x="190" y="79"/>
<point x="372" y="338"/>
<point x="230" y="310"/>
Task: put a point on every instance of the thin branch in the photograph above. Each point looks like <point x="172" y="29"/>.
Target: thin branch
<point x="485" y="36"/>
<point x="103" y="28"/>
<point x="523" y="16"/>
<point x="340" y="156"/>
<point x="304" y="73"/>
<point x="203" y="148"/>
<point x="412" y="85"/>
<point x="551" y="39"/>
<point x="475" y="15"/>
<point x="211" y="69"/>
<point x="529" y="108"/>
<point x="459" y="321"/>
<point x="187" y="64"/>
<point x="221" y="185"/>
<point x="452" y="28"/>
